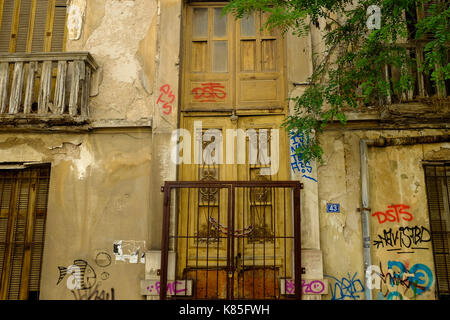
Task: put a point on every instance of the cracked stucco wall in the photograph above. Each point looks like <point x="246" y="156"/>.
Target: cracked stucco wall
<point x="105" y="183"/>
<point x="99" y="192"/>
<point x="396" y="178"/>
<point x="121" y="36"/>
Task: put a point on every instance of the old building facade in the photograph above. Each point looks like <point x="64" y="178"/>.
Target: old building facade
<point x="91" y="199"/>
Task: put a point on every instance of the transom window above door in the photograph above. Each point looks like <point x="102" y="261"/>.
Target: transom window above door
<point x="231" y="64"/>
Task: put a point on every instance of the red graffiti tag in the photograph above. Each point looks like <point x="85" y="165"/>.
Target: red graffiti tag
<point x="167" y="98"/>
<point x="394" y="214"/>
<point x="209" y="92"/>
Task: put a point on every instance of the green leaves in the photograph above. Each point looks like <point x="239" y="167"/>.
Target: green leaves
<point x="351" y="73"/>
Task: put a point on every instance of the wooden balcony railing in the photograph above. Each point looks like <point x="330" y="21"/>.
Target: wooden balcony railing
<point x="46" y="85"/>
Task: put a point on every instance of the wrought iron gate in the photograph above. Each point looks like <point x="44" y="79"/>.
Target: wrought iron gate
<point x="232" y="240"/>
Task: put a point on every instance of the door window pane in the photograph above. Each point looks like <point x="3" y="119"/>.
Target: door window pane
<point x="220" y="23"/>
<point x="200" y="23"/>
<point x="248" y="28"/>
<point x="220" y="57"/>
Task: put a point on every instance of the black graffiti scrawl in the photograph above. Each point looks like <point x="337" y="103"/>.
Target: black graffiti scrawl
<point x="83" y="276"/>
<point x="412" y="238"/>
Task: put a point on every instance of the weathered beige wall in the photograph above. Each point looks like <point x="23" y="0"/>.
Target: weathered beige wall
<point x="105" y="184"/>
<point x="99" y="193"/>
<point x="103" y="181"/>
<point x="396" y="178"/>
<point x="340" y="233"/>
<point x="121" y="36"/>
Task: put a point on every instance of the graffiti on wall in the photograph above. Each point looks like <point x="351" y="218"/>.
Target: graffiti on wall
<point x="400" y="282"/>
<point x="210" y="92"/>
<point x="80" y="275"/>
<point x="166" y="99"/>
<point x="174" y="288"/>
<point x="298" y="165"/>
<point x="346" y="288"/>
<point x="82" y="279"/>
<point x="397" y="240"/>
<point x="93" y="294"/>
<point x="308" y="287"/>
<point x="395" y="213"/>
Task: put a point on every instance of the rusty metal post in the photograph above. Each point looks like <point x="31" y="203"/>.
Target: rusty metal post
<point x="165" y="243"/>
<point x="297" y="244"/>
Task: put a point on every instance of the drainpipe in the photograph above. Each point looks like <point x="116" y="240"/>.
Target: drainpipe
<point x="365" y="210"/>
<point x="365" y="179"/>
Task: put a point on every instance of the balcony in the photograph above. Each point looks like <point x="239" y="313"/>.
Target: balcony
<point x="424" y="87"/>
<point x="45" y="88"/>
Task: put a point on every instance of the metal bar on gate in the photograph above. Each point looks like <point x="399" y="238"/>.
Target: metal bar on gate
<point x="231" y="235"/>
<point x="444" y="230"/>
<point x="297" y="244"/>
<point x="230" y="240"/>
<point x="165" y="243"/>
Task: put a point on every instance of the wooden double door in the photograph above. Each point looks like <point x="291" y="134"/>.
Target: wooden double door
<point x="236" y="242"/>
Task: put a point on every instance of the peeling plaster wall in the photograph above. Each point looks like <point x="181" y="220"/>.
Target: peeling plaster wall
<point x="396" y="178"/>
<point x="332" y="243"/>
<point x="99" y="193"/>
<point x="105" y="185"/>
<point x="121" y="35"/>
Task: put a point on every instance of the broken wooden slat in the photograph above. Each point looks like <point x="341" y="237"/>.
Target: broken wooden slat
<point x="4" y="82"/>
<point x="78" y="67"/>
<point x="45" y="88"/>
<point x="60" y="88"/>
<point x="29" y="89"/>
<point x="86" y="93"/>
<point x="16" y="89"/>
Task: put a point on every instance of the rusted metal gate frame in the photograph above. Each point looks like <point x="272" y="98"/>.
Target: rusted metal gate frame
<point x="296" y="186"/>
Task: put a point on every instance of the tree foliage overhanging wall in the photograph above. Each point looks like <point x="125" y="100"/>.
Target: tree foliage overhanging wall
<point x="353" y="71"/>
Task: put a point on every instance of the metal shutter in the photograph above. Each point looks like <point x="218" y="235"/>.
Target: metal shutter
<point x="23" y="26"/>
<point x="23" y="223"/>
<point x="40" y="23"/>
<point x="438" y="181"/>
<point x="59" y="26"/>
<point x="6" y="25"/>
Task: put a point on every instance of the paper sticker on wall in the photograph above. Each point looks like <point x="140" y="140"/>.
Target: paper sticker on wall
<point x="129" y="251"/>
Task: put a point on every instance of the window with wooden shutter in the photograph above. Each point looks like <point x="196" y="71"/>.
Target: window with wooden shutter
<point x="231" y="64"/>
<point x="23" y="211"/>
<point x="31" y="26"/>
<point x="438" y="193"/>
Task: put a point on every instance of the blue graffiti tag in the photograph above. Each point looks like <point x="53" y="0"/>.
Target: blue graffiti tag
<point x="298" y="164"/>
<point x="346" y="288"/>
<point x="419" y="277"/>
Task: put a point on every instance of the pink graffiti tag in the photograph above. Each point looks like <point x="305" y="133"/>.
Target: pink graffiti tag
<point x="167" y="98"/>
<point x="209" y="92"/>
<point x="313" y="287"/>
<point x="171" y="288"/>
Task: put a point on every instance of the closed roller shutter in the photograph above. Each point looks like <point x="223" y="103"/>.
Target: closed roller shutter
<point x="23" y="203"/>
